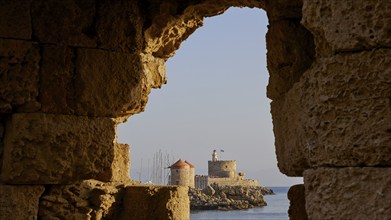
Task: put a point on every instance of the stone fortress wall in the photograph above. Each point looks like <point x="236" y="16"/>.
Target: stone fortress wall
<point x="236" y="181"/>
<point x="222" y="168"/>
<point x="222" y="172"/>
<point x="72" y="70"/>
<point x="201" y="181"/>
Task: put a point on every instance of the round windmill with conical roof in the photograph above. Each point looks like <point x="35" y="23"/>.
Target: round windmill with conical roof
<point x="182" y="173"/>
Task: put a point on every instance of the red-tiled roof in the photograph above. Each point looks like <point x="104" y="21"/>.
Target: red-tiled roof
<point x="180" y="164"/>
<point x="190" y="164"/>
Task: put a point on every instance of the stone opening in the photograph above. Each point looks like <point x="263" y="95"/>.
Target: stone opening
<point x="237" y="75"/>
<point x="285" y="36"/>
<point x="299" y="46"/>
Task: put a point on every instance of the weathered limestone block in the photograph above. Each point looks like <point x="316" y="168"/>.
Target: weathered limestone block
<point x="2" y="127"/>
<point x="109" y="83"/>
<point x="156" y="202"/>
<point x="52" y="149"/>
<point x="56" y="81"/>
<point x="92" y="199"/>
<point x="19" y="71"/>
<point x="19" y="202"/>
<point x="284" y="9"/>
<point x="119" y="26"/>
<point x="338" y="114"/>
<point x="348" y="193"/>
<point x="120" y="166"/>
<point x="97" y="82"/>
<point x="154" y="70"/>
<point x="169" y="23"/>
<point x="296" y="196"/>
<point x="290" y="38"/>
<point x="170" y="26"/>
<point x="347" y="110"/>
<point x="15" y="19"/>
<point x="348" y="25"/>
<point x="88" y="199"/>
<point x="289" y="134"/>
<point x="69" y="22"/>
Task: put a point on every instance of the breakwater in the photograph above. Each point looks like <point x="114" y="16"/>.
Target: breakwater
<point x="216" y="197"/>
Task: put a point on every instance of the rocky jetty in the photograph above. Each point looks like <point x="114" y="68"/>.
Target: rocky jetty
<point x="228" y="197"/>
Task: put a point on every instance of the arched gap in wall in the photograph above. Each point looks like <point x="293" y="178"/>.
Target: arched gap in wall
<point x="215" y="98"/>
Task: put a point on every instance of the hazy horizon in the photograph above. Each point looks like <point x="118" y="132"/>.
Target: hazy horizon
<point x="215" y="98"/>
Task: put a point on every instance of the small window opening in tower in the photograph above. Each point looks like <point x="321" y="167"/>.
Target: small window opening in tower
<point x="215" y="98"/>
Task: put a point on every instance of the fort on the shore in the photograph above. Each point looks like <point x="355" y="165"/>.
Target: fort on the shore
<point x="221" y="172"/>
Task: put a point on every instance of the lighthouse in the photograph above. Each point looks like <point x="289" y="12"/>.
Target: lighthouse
<point x="214" y="156"/>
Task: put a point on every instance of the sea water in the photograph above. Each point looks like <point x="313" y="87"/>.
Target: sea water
<point x="276" y="209"/>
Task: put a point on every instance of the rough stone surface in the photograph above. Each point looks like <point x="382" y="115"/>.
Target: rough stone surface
<point x="290" y="38"/>
<point x="296" y="196"/>
<point x="57" y="92"/>
<point x="166" y="33"/>
<point x="120" y="167"/>
<point x="19" y="202"/>
<point x="119" y="26"/>
<point x="156" y="202"/>
<point x="291" y="155"/>
<point x="154" y="70"/>
<point x="208" y="190"/>
<point x="338" y="114"/>
<point x="109" y="83"/>
<point x="170" y="22"/>
<point x="348" y="25"/>
<point x="53" y="149"/>
<point x="15" y="19"/>
<point x="2" y="128"/>
<point x="283" y="9"/>
<point x="66" y="22"/>
<point x="348" y="193"/>
<point x="89" y="199"/>
<point x="96" y="82"/>
<point x="348" y="117"/>
<point x="220" y="197"/>
<point x="101" y="59"/>
<point x="19" y="74"/>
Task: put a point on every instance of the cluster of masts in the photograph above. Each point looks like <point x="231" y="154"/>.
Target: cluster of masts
<point x="158" y="172"/>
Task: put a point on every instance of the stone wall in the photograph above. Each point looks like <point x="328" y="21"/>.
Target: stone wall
<point x="232" y="182"/>
<point x="201" y="181"/>
<point x="72" y="70"/>
<point x="222" y="168"/>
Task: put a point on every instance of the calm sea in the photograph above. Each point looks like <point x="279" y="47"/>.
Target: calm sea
<point x="276" y="209"/>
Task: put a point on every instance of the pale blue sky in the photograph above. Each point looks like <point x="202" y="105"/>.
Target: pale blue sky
<point x="215" y="98"/>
